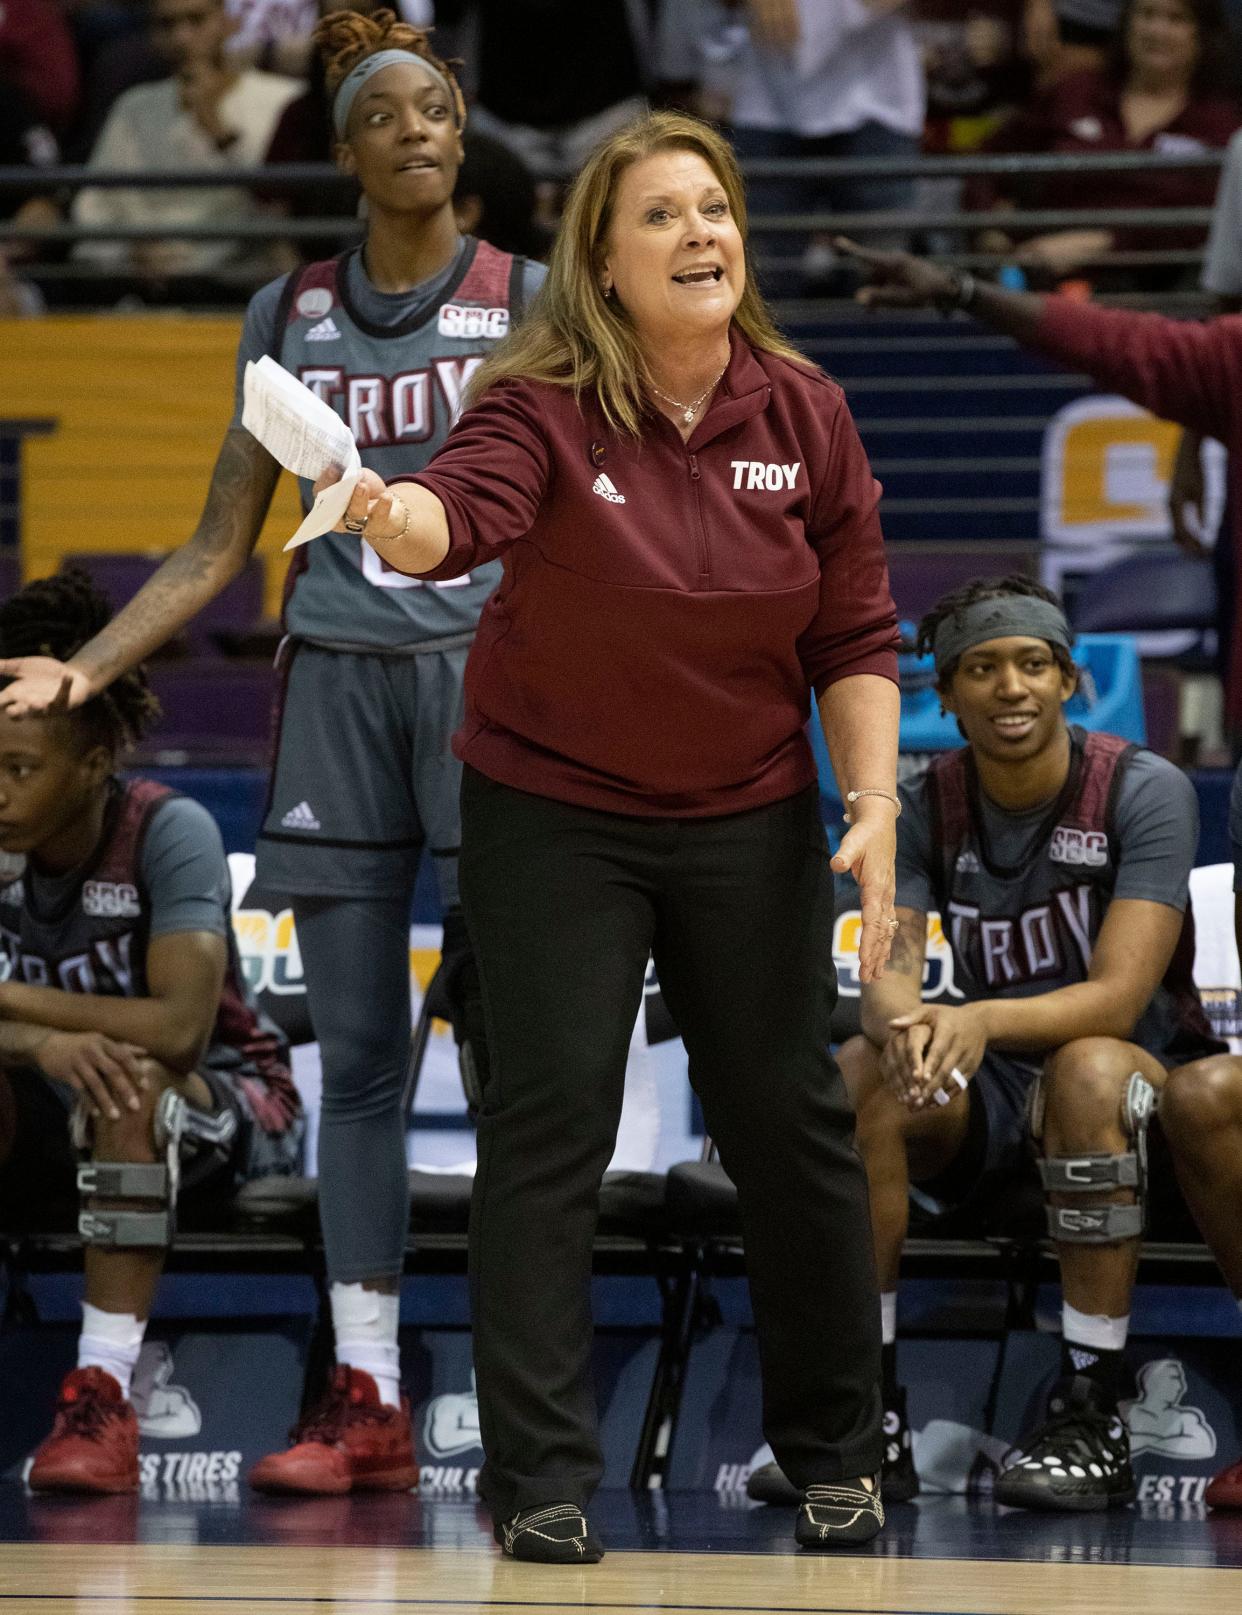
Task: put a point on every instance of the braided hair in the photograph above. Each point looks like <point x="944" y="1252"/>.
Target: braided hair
<point x="345" y="38"/>
<point x="56" y="616"/>
<point x="986" y="589"/>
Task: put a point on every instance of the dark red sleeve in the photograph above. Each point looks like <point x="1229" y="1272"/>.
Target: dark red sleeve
<point x="1179" y="369"/>
<point x="855" y="629"/>
<point x="37" y="50"/>
<point x="1214" y="122"/>
<point x="491" y="477"/>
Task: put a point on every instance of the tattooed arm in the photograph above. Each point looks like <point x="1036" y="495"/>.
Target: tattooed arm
<point x="899" y="991"/>
<point x="241" y="489"/>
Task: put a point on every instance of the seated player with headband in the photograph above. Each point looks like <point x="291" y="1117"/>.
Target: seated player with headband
<point x="1059" y="862"/>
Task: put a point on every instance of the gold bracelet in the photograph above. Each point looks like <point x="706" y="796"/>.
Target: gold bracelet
<point x="852" y="796"/>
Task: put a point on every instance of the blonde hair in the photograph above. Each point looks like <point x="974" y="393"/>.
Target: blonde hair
<point x="345" y="38"/>
<point x="573" y="336"/>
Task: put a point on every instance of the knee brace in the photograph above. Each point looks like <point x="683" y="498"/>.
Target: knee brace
<point x="1099" y="1224"/>
<point x="177" y="1129"/>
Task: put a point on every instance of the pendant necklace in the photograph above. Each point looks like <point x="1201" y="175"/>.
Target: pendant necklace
<point x="689" y="411"/>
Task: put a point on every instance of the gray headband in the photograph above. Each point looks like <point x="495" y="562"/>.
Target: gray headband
<point x="1003" y="617"/>
<point x="357" y="77"/>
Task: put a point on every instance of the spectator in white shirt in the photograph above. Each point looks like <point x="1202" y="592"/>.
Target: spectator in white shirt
<point x="207" y="114"/>
<point x="828" y="78"/>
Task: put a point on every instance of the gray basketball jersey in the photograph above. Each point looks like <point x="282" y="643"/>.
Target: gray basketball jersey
<point x="400" y="388"/>
<point x="1031" y="928"/>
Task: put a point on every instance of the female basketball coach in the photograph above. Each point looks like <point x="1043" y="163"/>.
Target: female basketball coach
<point x="690" y="542"/>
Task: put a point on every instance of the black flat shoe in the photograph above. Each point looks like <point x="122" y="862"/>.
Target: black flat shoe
<point x="839" y="1515"/>
<point x="550" y="1534"/>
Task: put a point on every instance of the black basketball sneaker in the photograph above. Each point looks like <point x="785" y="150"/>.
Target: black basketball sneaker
<point x="1077" y="1460"/>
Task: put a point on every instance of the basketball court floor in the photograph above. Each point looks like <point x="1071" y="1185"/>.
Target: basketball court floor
<point x="692" y="1552"/>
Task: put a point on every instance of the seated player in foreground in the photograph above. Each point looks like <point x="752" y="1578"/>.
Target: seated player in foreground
<point x="127" y="1038"/>
<point x="1186" y="371"/>
<point x="1059" y="862"/>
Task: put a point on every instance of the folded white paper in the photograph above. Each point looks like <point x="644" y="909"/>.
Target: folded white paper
<point x="307" y="437"/>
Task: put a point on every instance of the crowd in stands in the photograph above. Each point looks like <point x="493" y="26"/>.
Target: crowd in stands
<point x="221" y="85"/>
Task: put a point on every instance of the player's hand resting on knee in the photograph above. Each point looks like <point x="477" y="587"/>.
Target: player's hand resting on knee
<point x="901" y="1062"/>
<point x="959" y="1040"/>
<point x="106" y="1072"/>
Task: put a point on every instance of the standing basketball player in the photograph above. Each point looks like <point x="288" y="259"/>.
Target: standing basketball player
<point x="388" y="334"/>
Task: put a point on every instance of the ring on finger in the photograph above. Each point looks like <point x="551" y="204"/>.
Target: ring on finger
<point x="354" y="524"/>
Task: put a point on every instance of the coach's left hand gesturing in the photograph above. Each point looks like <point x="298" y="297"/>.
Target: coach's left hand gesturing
<point x="868" y="851"/>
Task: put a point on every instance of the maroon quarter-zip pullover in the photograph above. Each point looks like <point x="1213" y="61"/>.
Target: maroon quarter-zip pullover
<point x="666" y="607"/>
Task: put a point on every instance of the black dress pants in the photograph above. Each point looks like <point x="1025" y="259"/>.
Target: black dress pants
<point x="564" y="904"/>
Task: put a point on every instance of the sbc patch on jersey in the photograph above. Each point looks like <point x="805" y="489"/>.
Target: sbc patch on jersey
<point x="472" y="323"/>
<point x="1087" y="848"/>
<point x="110" y="900"/>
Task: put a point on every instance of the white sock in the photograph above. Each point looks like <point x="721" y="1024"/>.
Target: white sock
<point x="888" y="1316"/>
<point x="111" y="1341"/>
<point x="1093" y="1329"/>
<point x="365" y="1325"/>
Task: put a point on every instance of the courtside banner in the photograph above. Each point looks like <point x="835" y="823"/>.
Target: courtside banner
<point x="211" y="1398"/>
<point x="438" y="1372"/>
<point x="109" y="428"/>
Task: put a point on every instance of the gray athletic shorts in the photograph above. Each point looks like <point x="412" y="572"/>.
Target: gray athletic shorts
<point x="364" y="775"/>
<point x="253" y="1151"/>
<point x="1003" y="1084"/>
<point x="1000" y="1090"/>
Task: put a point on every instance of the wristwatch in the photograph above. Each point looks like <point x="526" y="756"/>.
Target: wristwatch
<point x="962" y="292"/>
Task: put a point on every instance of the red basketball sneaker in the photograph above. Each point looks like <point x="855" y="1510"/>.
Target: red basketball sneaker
<point x="349" y="1441"/>
<point x="1226" y="1490"/>
<point x="93" y="1446"/>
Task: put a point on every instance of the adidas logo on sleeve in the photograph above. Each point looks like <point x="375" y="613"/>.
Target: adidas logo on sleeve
<point x="301" y="817"/>
<point x="606" y="489"/>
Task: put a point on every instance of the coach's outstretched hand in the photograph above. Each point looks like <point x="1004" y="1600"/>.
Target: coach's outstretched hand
<point x="406" y="525"/>
<point x="376" y="512"/>
<point x="900" y="280"/>
<point x="868" y="851"/>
